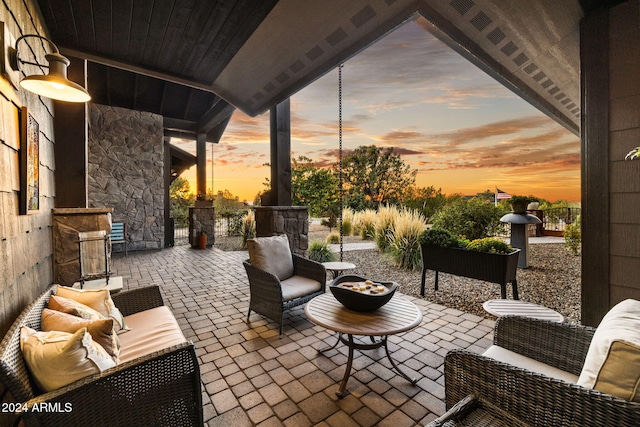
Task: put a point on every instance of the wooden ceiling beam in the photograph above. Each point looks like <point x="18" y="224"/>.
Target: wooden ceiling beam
<point x="219" y="112"/>
<point x="137" y="69"/>
<point x="187" y="129"/>
<point x="187" y="135"/>
<point x="217" y="132"/>
<point x="180" y="125"/>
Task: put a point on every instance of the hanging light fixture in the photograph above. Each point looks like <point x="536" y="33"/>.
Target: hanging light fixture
<point x="55" y="84"/>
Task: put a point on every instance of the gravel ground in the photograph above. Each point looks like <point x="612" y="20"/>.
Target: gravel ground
<point x="552" y="279"/>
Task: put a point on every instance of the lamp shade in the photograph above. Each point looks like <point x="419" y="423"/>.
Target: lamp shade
<point x="55" y="84"/>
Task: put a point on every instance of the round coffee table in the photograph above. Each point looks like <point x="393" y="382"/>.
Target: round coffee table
<point x="396" y="316"/>
<point x="503" y="307"/>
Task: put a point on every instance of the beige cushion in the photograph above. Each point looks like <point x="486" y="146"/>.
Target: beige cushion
<point x="69" y="306"/>
<point x="271" y="254"/>
<point x="298" y="286"/>
<point x="56" y="359"/>
<point x="151" y="330"/>
<point x="101" y="330"/>
<point x="519" y="361"/>
<point x="612" y="364"/>
<point x="98" y="299"/>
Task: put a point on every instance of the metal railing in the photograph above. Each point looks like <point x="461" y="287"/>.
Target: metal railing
<point x="555" y="220"/>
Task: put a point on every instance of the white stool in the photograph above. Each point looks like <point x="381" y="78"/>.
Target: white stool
<point x="503" y="307"/>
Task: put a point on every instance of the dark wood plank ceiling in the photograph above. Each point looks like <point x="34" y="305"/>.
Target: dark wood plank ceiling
<point x="143" y="51"/>
<point x="179" y="58"/>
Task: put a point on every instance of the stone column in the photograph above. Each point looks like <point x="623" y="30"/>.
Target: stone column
<point x="202" y="219"/>
<point x="290" y="220"/>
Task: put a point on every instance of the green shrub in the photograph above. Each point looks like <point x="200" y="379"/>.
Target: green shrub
<point x="472" y="219"/>
<point x="333" y="238"/>
<point x="491" y="245"/>
<point x="439" y="237"/>
<point x="320" y="252"/>
<point x="347" y="221"/>
<point x="405" y="240"/>
<point x="248" y="230"/>
<point x="573" y="237"/>
<point x="234" y="222"/>
<point x="347" y="227"/>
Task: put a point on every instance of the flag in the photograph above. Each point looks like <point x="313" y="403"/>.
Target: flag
<point x="501" y="195"/>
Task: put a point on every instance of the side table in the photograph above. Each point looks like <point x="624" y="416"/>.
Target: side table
<point x="338" y="267"/>
<point x="396" y="316"/>
<point x="503" y="307"/>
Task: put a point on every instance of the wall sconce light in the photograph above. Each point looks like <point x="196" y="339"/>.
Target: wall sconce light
<point x="55" y="84"/>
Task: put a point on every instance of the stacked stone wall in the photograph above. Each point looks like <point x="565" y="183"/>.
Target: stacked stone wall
<point x="290" y="220"/>
<point x="125" y="168"/>
<point x="202" y="220"/>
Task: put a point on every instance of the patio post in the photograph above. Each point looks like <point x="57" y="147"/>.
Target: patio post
<point x="280" y="194"/>
<point x="201" y="166"/>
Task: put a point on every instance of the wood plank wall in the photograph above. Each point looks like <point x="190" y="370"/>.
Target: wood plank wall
<point x="610" y="66"/>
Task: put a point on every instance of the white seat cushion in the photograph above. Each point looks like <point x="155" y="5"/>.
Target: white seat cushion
<point x="612" y="364"/>
<point x="298" y="286"/>
<point x="507" y="356"/>
<point x="151" y="330"/>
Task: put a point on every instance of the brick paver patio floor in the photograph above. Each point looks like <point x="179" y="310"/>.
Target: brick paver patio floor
<point x="252" y="377"/>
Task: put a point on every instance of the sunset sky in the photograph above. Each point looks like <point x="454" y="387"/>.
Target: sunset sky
<point x="463" y="131"/>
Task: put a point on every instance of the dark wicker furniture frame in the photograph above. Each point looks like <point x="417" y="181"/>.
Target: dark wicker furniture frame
<point x="159" y="389"/>
<point x="510" y="396"/>
<point x="494" y="268"/>
<point x="266" y="293"/>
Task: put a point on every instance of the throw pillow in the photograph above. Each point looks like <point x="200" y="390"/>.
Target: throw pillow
<point x="69" y="306"/>
<point x="57" y="359"/>
<point x="271" y="254"/>
<point x="101" y="330"/>
<point x="98" y="299"/>
<point x="612" y="364"/>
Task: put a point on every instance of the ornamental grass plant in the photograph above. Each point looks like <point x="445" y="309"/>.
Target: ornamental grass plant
<point x="248" y="228"/>
<point x="366" y="223"/>
<point x="347" y="221"/>
<point x="405" y="243"/>
<point x="333" y="238"/>
<point x="386" y="219"/>
<point x="319" y="251"/>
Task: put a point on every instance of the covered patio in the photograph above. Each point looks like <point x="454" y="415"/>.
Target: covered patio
<point x="251" y="376"/>
<point x="577" y="63"/>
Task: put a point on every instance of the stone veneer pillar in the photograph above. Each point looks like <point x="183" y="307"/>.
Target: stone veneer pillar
<point x="67" y="224"/>
<point x="290" y="220"/>
<point x="202" y="219"/>
<point x="126" y="172"/>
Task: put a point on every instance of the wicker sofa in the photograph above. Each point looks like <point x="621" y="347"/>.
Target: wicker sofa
<point x="481" y="390"/>
<point x="160" y="388"/>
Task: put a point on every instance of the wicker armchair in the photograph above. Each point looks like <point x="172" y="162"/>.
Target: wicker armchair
<point x="483" y="391"/>
<point x="160" y="389"/>
<point x="266" y="289"/>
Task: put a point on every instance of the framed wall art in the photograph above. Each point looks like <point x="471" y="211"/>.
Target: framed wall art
<point x="29" y="163"/>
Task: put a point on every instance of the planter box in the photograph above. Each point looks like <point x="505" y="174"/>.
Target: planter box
<point x="494" y="268"/>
